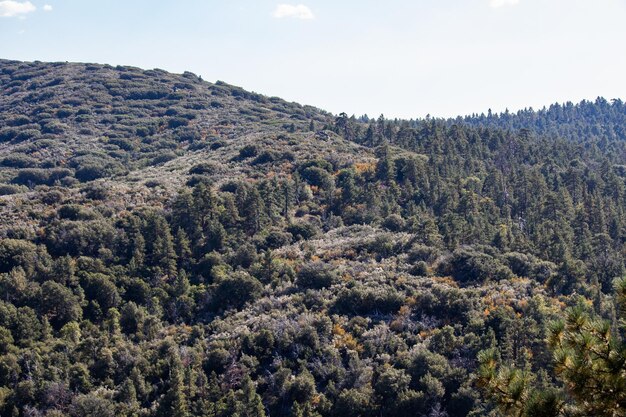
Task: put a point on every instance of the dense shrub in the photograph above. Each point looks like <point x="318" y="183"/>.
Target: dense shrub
<point x="35" y="176"/>
<point x="164" y="157"/>
<point x="236" y="290"/>
<point x="59" y="304"/>
<point x="75" y="212"/>
<point x="302" y="230"/>
<point x="394" y="223"/>
<point x="174" y="122"/>
<point x="7" y="134"/>
<point x="316" y="275"/>
<point x="6" y="189"/>
<point x="317" y="176"/>
<point x="366" y="301"/>
<point x="205" y="168"/>
<point x="89" y="168"/>
<point x="276" y="239"/>
<point x="248" y="151"/>
<point x="472" y="267"/>
<point x="266" y="157"/>
<point x="100" y="288"/>
<point x="21" y="253"/>
<point x="19" y="161"/>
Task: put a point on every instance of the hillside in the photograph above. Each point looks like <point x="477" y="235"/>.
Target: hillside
<point x="174" y="247"/>
<point x="68" y="124"/>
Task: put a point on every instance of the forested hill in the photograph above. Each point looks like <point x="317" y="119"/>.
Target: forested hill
<point x="173" y="247"/>
<point x="601" y="120"/>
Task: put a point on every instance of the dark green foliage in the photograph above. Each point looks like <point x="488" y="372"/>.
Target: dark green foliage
<point x="469" y="266"/>
<point x="394" y="223"/>
<point x="317" y="176"/>
<point x="301" y="231"/>
<point x="19" y="161"/>
<point x="99" y="288"/>
<point x="91" y="406"/>
<point x="75" y="212"/>
<point x="248" y="151"/>
<point x="89" y="168"/>
<point x="58" y="304"/>
<point x="266" y="157"/>
<point x="10" y="189"/>
<point x="35" y="176"/>
<point x="204" y="168"/>
<point x="316" y="275"/>
<point x="236" y="290"/>
<point x="361" y="301"/>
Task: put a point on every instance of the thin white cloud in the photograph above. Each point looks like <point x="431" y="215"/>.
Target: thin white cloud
<point x="10" y="8"/>
<point x="502" y="3"/>
<point x="47" y="8"/>
<point x="298" y="11"/>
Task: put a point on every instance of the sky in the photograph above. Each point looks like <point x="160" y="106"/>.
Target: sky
<point x="400" y="58"/>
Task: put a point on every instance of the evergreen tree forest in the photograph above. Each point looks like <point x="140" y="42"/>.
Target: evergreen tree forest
<point x="173" y="247"/>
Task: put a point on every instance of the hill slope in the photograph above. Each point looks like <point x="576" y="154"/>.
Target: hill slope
<point x="67" y="124"/>
<point x="172" y="247"/>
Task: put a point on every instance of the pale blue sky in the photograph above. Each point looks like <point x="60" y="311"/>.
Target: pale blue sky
<point x="398" y="57"/>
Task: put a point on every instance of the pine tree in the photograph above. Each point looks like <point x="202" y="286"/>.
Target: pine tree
<point x="137" y="246"/>
<point x="512" y="389"/>
<point x="287" y="198"/>
<point x="128" y="393"/>
<point x="385" y="167"/>
<point x="181" y="285"/>
<point x="304" y="410"/>
<point x="174" y="402"/>
<point x="64" y="270"/>
<point x="251" y="209"/>
<point x="160" y="245"/>
<point x="589" y="358"/>
<point x="250" y="404"/>
<point x="183" y="249"/>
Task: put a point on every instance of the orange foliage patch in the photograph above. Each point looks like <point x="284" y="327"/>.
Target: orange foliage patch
<point x="344" y="339"/>
<point x="362" y="167"/>
<point x="425" y="333"/>
<point x="404" y="311"/>
<point x="447" y="280"/>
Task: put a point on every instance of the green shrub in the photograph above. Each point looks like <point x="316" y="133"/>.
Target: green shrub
<point x="266" y="157"/>
<point x="302" y="230"/>
<point x="205" y="168"/>
<point x="36" y="176"/>
<point x="248" y="151"/>
<point x="75" y="212"/>
<point x="316" y="275"/>
<point x="6" y="189"/>
<point x="472" y="267"/>
<point x="394" y="223"/>
<point x="317" y="176"/>
<point x="236" y="290"/>
<point x="19" y="160"/>
<point x="369" y="301"/>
